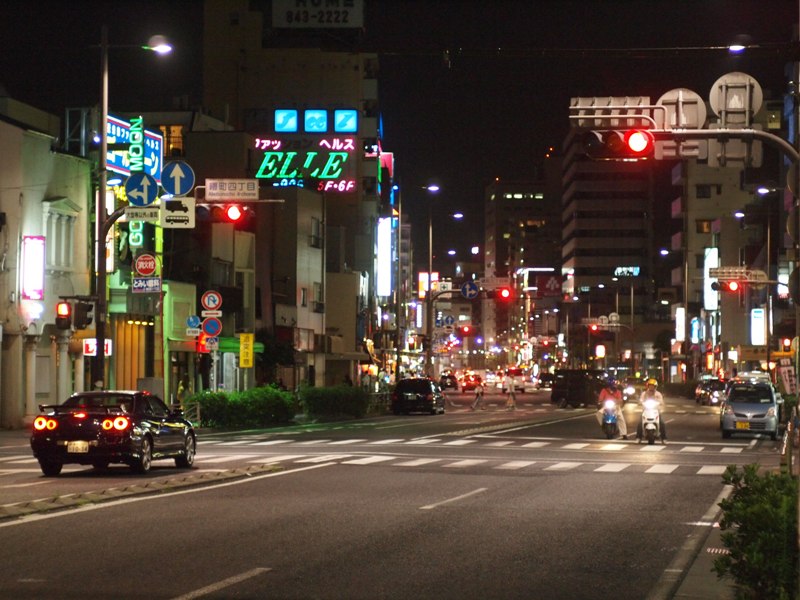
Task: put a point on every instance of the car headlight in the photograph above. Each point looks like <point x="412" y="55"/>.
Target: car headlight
<point x="771" y="412"/>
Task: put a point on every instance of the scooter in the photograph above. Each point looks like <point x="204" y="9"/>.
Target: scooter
<point x="609" y="419"/>
<point x="650" y="427"/>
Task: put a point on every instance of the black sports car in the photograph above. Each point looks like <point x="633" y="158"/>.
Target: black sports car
<point x="104" y="427"/>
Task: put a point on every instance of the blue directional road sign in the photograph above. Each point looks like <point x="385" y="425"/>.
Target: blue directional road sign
<point x="177" y="178"/>
<point x="449" y="320"/>
<point x="470" y="290"/>
<point x="141" y="189"/>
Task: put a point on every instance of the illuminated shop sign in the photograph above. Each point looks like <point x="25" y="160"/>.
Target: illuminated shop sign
<point x="316" y="120"/>
<point x="632" y="271"/>
<point x="324" y="164"/>
<point x="132" y="148"/>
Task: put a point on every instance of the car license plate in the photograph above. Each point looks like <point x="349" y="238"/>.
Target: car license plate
<point x="742" y="425"/>
<point x="78" y="447"/>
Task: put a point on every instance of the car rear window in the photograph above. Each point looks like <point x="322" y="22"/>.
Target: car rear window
<point x="751" y="395"/>
<point x="418" y="386"/>
<point x="125" y="402"/>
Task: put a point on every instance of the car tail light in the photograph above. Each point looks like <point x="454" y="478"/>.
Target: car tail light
<point x="42" y="423"/>
<point x="429" y="397"/>
<point x="118" y="423"/>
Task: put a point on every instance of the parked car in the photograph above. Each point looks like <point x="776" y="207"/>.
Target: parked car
<point x="711" y="392"/>
<point x="448" y="381"/>
<point x="419" y="394"/>
<point x="576" y="387"/>
<point x="103" y="427"/>
<point x="750" y="407"/>
<point x="469" y="382"/>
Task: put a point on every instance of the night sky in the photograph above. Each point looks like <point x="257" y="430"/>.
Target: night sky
<point x="491" y="111"/>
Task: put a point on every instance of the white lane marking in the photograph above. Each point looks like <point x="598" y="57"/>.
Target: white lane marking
<point x="14" y="457"/>
<point x="563" y="466"/>
<point x="22" y="485"/>
<point x="662" y="469"/>
<point x="368" y="460"/>
<point x="113" y="503"/>
<point x="612" y="468"/>
<point x="692" y="449"/>
<point x="499" y="444"/>
<point x="215" y="587"/>
<point x="460" y="464"/>
<point x="390" y="441"/>
<point x="612" y="447"/>
<point x="711" y="470"/>
<point x="424" y="441"/>
<point x="312" y="442"/>
<point x="460" y="442"/>
<point x="449" y="500"/>
<point x="230" y="457"/>
<point x="272" y="442"/>
<point x="417" y="462"/>
<point x="235" y="443"/>
<point x="730" y="450"/>
<point x="516" y="464"/>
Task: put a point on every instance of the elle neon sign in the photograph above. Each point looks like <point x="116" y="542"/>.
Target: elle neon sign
<point x="324" y="164"/>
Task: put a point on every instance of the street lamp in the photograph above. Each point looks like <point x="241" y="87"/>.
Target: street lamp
<point x="429" y="292"/>
<point x="102" y="223"/>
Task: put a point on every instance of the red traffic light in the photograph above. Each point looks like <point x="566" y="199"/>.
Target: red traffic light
<point x="639" y="142"/>
<point x="594" y="327"/>
<point x="234" y="212"/>
<point x="617" y="144"/>
<point x="786" y="343"/>
<point x="726" y="286"/>
<point x="63" y="315"/>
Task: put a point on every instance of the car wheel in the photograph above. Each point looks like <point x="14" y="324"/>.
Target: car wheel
<point x="186" y="460"/>
<point x="50" y="468"/>
<point x="145" y="460"/>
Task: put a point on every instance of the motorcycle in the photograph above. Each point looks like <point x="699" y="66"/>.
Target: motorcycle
<point x="609" y="419"/>
<point x="650" y="426"/>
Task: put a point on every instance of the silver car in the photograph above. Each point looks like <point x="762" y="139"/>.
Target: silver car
<point x="750" y="407"/>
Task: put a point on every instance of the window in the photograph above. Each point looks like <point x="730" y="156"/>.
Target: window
<point x="315" y="241"/>
<point x="703" y="190"/>
<point x="303" y="296"/>
<point x="60" y="216"/>
<point x="703" y="225"/>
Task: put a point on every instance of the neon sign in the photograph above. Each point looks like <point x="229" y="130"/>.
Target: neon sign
<point x="323" y="164"/>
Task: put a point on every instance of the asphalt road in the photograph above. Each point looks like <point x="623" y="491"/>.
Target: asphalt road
<point x="529" y="504"/>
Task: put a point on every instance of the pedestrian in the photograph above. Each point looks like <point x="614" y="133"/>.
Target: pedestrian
<point x="511" y="383"/>
<point x="478" y="397"/>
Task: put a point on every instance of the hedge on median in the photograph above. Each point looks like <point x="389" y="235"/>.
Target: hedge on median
<point x="256" y="407"/>
<point x="333" y="402"/>
<point x="759" y="529"/>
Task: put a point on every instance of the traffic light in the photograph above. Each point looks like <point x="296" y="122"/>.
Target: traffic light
<point x="617" y="144"/>
<point x="465" y="331"/>
<point x="501" y="293"/>
<point x="82" y="316"/>
<point x="726" y="286"/>
<point x="200" y="346"/>
<point x="224" y="213"/>
<point x="63" y="315"/>
<point x="594" y="328"/>
<point x="786" y="344"/>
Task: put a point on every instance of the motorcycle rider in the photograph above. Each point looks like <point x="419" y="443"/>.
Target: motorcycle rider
<point x="651" y="393"/>
<point x="611" y="392"/>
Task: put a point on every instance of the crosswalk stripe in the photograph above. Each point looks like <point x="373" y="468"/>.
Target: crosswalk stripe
<point x="345" y="442"/>
<point x="368" y="460"/>
<point x="662" y="469"/>
<point x="228" y="458"/>
<point x="14" y="457"/>
<point x="419" y="462"/>
<point x="311" y="442"/>
<point x="235" y="443"/>
<point x="612" y="467"/>
<point x="22" y="461"/>
<point x="729" y="450"/>
<point x="613" y="447"/>
<point x="711" y="470"/>
<point x="272" y="442"/>
<point x="460" y="442"/>
<point x="535" y="444"/>
<point x="652" y="448"/>
<point x="324" y="458"/>
<point x="692" y="448"/>
<point x="563" y="466"/>
<point x="460" y="464"/>
<point x="579" y="446"/>
<point x="516" y="464"/>
<point x="499" y="444"/>
<point x="422" y="442"/>
<point x="266" y="460"/>
<point x="395" y="441"/>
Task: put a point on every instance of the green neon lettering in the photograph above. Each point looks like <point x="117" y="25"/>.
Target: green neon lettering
<point x="333" y="167"/>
